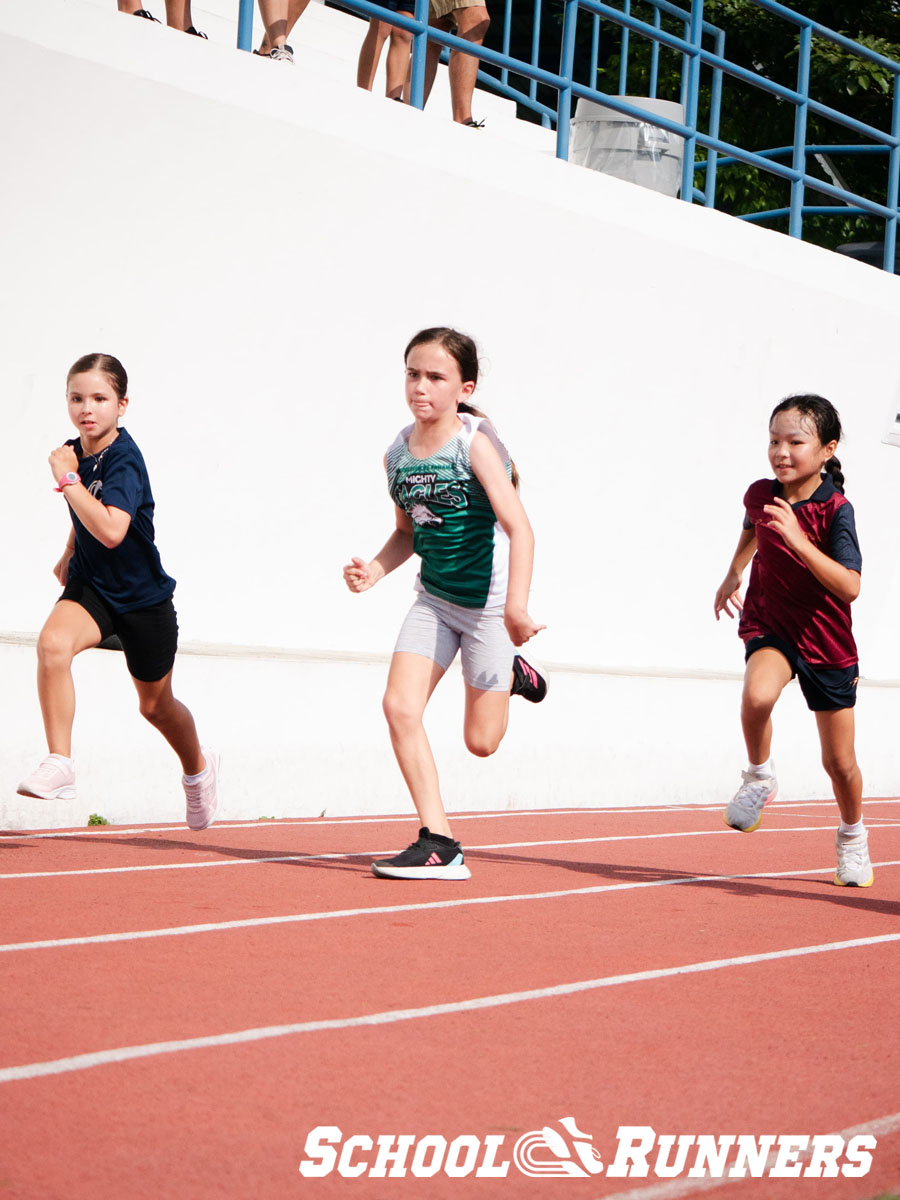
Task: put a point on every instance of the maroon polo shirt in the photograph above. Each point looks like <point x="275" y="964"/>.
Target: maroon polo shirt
<point x="783" y="596"/>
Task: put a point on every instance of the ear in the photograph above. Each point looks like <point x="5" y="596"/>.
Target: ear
<point x="829" y="450"/>
<point x="123" y="404"/>
<point x="467" y="389"/>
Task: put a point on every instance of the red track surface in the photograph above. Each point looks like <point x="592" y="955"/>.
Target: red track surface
<point x="806" y="1044"/>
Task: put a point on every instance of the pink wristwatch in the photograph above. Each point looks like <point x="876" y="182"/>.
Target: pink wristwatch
<point x="70" y="477"/>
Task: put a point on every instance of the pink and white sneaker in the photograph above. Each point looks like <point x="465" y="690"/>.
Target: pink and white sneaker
<point x="203" y="797"/>
<point x="53" y="780"/>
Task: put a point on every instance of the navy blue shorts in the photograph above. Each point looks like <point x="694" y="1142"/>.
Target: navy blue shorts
<point x="149" y="636"/>
<point x="404" y="6"/>
<point x="825" y="689"/>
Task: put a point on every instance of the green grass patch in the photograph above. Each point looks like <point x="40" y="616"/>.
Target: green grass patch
<point x="96" y="819"/>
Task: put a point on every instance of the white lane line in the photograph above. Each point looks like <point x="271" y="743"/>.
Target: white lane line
<point x="394" y="818"/>
<point x="99" y="939"/>
<point x="254" y="859"/>
<point x="676" y="1189"/>
<point x="81" y="1062"/>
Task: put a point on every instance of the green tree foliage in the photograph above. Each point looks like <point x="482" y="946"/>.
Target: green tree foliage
<point x="769" y="45"/>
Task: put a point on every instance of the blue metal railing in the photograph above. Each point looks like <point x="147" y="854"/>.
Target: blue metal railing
<point x="696" y="57"/>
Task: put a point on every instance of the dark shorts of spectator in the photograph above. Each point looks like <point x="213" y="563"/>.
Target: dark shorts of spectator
<point x="825" y="689"/>
<point x="404" y="6"/>
<point x="149" y="636"/>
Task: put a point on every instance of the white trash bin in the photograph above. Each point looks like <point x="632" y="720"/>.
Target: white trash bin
<point x="637" y="151"/>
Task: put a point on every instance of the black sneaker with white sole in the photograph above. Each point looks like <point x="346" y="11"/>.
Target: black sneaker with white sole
<point x="430" y="856"/>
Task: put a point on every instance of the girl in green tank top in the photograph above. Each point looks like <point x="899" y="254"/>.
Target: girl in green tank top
<point x="457" y="507"/>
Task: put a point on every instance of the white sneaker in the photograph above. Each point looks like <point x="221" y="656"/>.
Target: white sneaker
<point x="854" y="868"/>
<point x="53" y="780"/>
<point x="203" y="796"/>
<point x="745" y="810"/>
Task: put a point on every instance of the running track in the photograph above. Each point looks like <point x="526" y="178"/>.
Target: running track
<point x="180" y="1009"/>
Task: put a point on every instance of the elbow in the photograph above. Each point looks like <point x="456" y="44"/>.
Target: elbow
<point x="111" y="540"/>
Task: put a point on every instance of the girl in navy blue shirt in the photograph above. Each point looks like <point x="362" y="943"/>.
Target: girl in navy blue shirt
<point x="113" y="585"/>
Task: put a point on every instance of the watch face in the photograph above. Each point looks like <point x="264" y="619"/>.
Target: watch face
<point x="71" y="476"/>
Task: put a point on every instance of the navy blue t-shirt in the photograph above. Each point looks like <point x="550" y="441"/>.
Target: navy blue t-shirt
<point x="130" y="576"/>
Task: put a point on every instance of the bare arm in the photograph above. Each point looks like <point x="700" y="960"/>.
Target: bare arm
<point x="107" y="524"/>
<point x="491" y="474"/>
<point x="360" y="575"/>
<point x="729" y="589"/>
<point x="842" y="581"/>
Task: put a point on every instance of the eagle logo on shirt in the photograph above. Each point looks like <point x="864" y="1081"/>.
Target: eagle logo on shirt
<point x="422" y="515"/>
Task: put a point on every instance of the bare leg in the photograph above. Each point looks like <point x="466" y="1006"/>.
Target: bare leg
<point x="67" y="631"/>
<point x="411" y="681"/>
<point x="370" y="53"/>
<point x="836" y="734"/>
<point x="173" y="720"/>
<point x="295" y="9"/>
<point x="178" y="14"/>
<point x="472" y="24"/>
<point x="433" y="57"/>
<point x="487" y="716"/>
<point x="397" y="63"/>
<point x="768" y="674"/>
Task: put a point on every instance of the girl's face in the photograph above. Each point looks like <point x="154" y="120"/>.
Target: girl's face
<point x="434" y="384"/>
<point x="94" y="407"/>
<point x="795" y="452"/>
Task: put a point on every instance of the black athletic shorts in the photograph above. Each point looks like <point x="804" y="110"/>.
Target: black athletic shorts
<point x="824" y="688"/>
<point x="149" y="636"/>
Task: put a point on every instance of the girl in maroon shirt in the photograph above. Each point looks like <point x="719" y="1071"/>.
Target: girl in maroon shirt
<point x="800" y="533"/>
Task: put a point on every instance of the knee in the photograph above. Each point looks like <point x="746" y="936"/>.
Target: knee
<point x="841" y="768"/>
<point x="756" y="705"/>
<point x="54" y="649"/>
<point x="481" y="744"/>
<point x="399" y="714"/>
<point x="477" y="23"/>
<point x="154" y="708"/>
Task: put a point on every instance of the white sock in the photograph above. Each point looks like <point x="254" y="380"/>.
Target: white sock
<point x="70" y="762"/>
<point x="764" y="769"/>
<point x="850" y="830"/>
<point x="197" y="778"/>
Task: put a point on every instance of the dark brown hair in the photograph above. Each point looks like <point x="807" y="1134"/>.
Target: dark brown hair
<point x="110" y="366"/>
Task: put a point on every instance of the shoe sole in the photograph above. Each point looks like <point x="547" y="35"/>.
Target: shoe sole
<point x="217" y="765"/>
<point x="840" y="882"/>
<point x="63" y="793"/>
<point x="751" y="828"/>
<point x="452" y="873"/>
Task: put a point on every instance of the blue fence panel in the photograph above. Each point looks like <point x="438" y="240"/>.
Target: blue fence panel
<point x="549" y="93"/>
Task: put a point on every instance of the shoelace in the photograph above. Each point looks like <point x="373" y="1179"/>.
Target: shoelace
<point x="753" y="790"/>
<point x="853" y="855"/>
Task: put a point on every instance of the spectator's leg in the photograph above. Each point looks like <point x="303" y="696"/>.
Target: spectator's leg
<point x="130" y="6"/>
<point x="433" y="56"/>
<point x="370" y="53"/>
<point x="178" y="14"/>
<point x="397" y="62"/>
<point x="472" y="24"/>
<point x="295" y="10"/>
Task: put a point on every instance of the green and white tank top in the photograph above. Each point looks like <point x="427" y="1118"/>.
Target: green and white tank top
<point x="464" y="551"/>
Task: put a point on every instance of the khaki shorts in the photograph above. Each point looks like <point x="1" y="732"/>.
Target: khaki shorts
<point x="443" y="8"/>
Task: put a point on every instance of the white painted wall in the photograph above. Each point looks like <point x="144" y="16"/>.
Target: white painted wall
<point x="257" y="244"/>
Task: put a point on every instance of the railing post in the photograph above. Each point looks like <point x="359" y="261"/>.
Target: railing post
<point x="419" y="53"/>
<point x="566" y="67"/>
<point x="798" y="187"/>
<point x="623" y="56"/>
<point x="245" y="25"/>
<point x="693" y="102"/>
<point x="715" y="111"/>
<point x="890" y="225"/>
